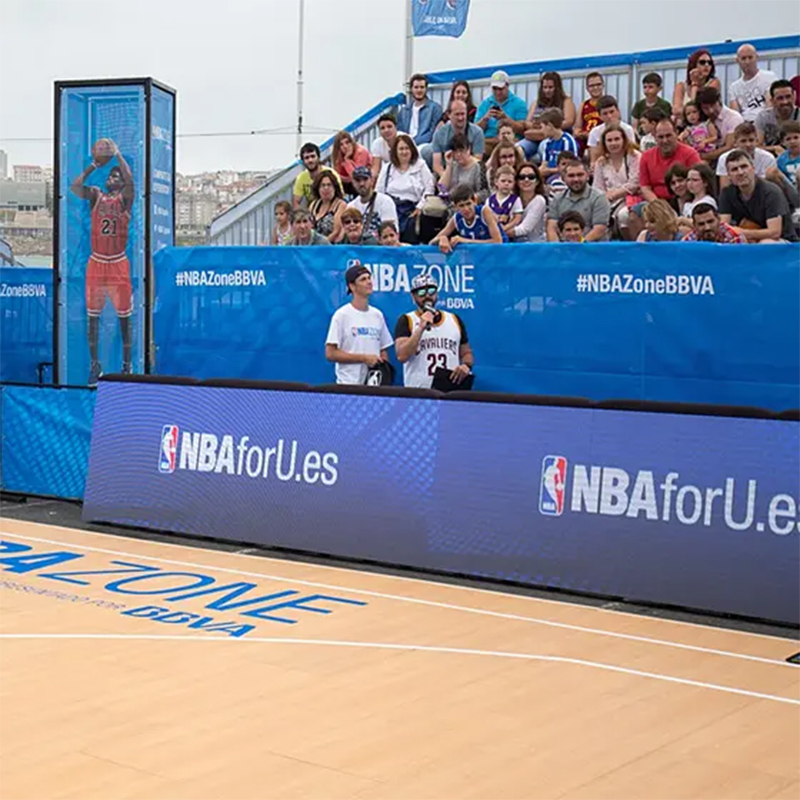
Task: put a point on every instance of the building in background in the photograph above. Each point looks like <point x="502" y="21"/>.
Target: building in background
<point x="3" y="165"/>
<point x="28" y="173"/>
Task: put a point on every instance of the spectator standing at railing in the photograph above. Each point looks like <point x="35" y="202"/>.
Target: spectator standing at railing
<point x="375" y="207"/>
<point x="707" y="227"/>
<point x="407" y="180"/>
<point x="616" y="174"/>
<point x="531" y="192"/>
<point x="382" y="146"/>
<point x="700" y="73"/>
<point x="420" y="116"/>
<point x="428" y="339"/>
<point x="589" y="202"/>
<point x="589" y="114"/>
<point x="609" y="112"/>
<point x="358" y="337"/>
<point x="756" y="207"/>
<point x="458" y="124"/>
<point x="769" y="121"/>
<point x="502" y="106"/>
<point x="749" y="94"/>
<point x="302" y="192"/>
<point x="725" y="121"/>
<point x="651" y="86"/>
<point x="347" y="155"/>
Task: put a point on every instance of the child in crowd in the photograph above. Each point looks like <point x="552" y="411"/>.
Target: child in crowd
<point x="698" y="132"/>
<point x="651" y="85"/>
<point x="388" y="235"/>
<point x="789" y="159"/>
<point x="506" y="205"/>
<point x="470" y="224"/>
<point x="571" y="225"/>
<point x="647" y="125"/>
<point x="506" y="135"/>
<point x="556" y="143"/>
<point x="282" y="232"/>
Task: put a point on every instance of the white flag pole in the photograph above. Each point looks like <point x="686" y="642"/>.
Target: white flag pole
<point x="408" y="67"/>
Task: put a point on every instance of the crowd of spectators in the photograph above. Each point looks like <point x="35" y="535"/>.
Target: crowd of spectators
<point x="701" y="167"/>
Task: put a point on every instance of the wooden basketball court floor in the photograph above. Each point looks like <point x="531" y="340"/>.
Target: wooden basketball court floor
<point x="427" y="690"/>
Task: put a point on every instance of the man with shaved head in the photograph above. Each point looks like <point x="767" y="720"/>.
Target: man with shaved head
<point x="750" y="93"/>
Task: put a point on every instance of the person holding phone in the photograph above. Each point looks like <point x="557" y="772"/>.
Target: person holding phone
<point x="502" y="106"/>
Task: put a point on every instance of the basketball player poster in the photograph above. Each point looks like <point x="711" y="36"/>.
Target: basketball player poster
<point x="101" y="242"/>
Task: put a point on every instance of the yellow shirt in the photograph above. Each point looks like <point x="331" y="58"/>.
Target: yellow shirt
<point x="304" y="182"/>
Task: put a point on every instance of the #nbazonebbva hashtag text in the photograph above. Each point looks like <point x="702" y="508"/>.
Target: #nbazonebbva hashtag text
<point x="607" y="283"/>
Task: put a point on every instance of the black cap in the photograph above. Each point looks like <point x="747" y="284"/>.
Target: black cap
<point x="354" y="272"/>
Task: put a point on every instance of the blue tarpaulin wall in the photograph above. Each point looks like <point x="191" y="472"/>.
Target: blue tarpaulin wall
<point x="26" y="324"/>
<point x="676" y="322"/>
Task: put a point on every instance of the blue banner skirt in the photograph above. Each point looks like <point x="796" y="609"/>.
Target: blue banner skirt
<point x="674" y="322"/>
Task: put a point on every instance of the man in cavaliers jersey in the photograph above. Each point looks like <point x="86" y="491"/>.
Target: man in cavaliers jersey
<point x="108" y="271"/>
<point x="426" y="339"/>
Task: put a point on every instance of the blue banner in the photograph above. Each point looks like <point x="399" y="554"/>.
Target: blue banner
<point x="687" y="510"/>
<point x="162" y="169"/>
<point x="26" y="325"/>
<point x="46" y="434"/>
<point x="101" y="259"/>
<point x="675" y="322"/>
<point x="439" y="17"/>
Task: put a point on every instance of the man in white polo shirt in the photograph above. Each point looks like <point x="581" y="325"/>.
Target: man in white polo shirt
<point x="358" y="337"/>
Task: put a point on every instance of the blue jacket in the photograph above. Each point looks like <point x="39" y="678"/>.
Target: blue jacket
<point x="429" y="116"/>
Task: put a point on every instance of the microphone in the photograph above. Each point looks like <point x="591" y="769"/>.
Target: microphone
<point x="428" y="306"/>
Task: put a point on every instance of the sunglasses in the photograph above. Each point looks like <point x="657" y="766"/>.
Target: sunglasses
<point x="528" y="176"/>
<point x="428" y="291"/>
<point x="351" y="222"/>
<point x="704" y="62"/>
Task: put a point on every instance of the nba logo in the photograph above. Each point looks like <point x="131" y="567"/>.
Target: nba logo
<point x="552" y="486"/>
<point x="169" y="448"/>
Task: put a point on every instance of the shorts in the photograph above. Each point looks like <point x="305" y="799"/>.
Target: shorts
<point x="110" y="279"/>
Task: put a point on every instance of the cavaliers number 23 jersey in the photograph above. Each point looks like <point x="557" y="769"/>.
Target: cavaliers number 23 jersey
<point x="438" y="348"/>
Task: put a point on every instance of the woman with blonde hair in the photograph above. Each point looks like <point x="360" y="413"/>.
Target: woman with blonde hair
<point x="616" y="174"/>
<point x="661" y="223"/>
<point x="347" y="155"/>
<point x="503" y="155"/>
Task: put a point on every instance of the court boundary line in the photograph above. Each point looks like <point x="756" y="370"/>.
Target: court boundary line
<point x="409" y="648"/>
<point x="436" y="604"/>
<point x="425" y="581"/>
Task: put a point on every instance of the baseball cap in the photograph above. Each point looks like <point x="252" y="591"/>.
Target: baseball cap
<point x="354" y="272"/>
<point x="499" y="79"/>
<point x="424" y="281"/>
<point x="362" y="172"/>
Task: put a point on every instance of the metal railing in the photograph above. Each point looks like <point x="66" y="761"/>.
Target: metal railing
<point x="250" y="221"/>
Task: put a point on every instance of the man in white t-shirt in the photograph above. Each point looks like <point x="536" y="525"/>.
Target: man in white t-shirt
<point x="375" y="207"/>
<point x="358" y="337"/>
<point x="745" y="137"/>
<point x="381" y="148"/>
<point x="428" y="339"/>
<point x="750" y="93"/>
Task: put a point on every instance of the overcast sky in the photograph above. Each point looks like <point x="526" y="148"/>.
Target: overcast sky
<point x="234" y="63"/>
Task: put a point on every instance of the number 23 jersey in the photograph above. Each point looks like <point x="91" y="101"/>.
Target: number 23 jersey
<point x="438" y="348"/>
